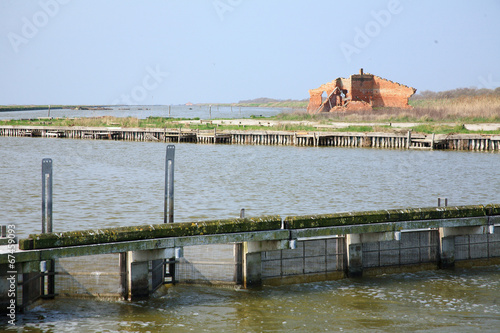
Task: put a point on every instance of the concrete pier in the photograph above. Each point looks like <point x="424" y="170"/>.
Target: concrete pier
<point x="132" y="262"/>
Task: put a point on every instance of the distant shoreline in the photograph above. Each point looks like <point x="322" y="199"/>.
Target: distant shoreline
<point x="428" y="115"/>
<point x="284" y="104"/>
<point x="281" y="122"/>
<point x="9" y="108"/>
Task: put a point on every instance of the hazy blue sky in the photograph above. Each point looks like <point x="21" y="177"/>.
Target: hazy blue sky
<point x="172" y="52"/>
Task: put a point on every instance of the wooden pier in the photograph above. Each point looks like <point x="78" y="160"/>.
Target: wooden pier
<point x="406" y="140"/>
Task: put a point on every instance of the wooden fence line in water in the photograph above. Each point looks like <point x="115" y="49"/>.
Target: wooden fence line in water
<point x="332" y="139"/>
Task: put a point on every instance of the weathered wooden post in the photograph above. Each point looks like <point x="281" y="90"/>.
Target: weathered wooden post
<point x="408" y="140"/>
<point x="210" y="112"/>
<point x="169" y="185"/>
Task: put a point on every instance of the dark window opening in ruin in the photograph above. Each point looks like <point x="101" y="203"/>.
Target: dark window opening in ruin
<point x="324" y="96"/>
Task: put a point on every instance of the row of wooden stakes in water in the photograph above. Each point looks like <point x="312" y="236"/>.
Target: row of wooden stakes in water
<point x="374" y="140"/>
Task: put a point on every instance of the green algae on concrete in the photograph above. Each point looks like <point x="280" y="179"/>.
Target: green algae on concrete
<point x="393" y="215"/>
<point x="493" y="209"/>
<point x="121" y="234"/>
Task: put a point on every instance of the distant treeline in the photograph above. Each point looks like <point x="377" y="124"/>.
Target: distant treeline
<point x="27" y="107"/>
<point x="459" y="92"/>
<point x="52" y="107"/>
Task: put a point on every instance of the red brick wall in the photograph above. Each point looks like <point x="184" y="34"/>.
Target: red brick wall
<point x="315" y="94"/>
<point x="372" y="89"/>
<point x="391" y="94"/>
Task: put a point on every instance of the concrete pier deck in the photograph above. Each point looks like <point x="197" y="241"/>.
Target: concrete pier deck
<point x="266" y="250"/>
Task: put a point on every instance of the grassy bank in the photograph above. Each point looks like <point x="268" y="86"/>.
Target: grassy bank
<point x="159" y="122"/>
<point x="150" y="122"/>
<point x="464" y="109"/>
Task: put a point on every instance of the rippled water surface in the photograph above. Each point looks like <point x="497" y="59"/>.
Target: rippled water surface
<point x="436" y="301"/>
<point x="115" y="183"/>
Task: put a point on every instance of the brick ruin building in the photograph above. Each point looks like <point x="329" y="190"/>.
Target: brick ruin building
<point x="361" y="91"/>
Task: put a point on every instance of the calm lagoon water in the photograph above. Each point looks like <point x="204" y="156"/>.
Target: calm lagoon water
<point x="115" y="183"/>
<point x="144" y="111"/>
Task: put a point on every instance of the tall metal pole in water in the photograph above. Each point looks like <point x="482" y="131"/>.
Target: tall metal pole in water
<point x="169" y="185"/>
<point x="47" y="283"/>
<point x="46" y="195"/>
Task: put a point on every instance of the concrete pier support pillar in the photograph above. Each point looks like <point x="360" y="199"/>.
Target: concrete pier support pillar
<point x="354" y="255"/>
<point x="252" y="263"/>
<point x="354" y="247"/>
<point x="252" y="275"/>
<point x="138" y="273"/>
<point x="447" y="252"/>
<point x="138" y="284"/>
<point x="447" y="242"/>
